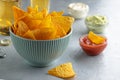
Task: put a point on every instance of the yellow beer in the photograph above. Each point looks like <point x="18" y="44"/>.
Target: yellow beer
<point x="41" y="4"/>
<point x="6" y="15"/>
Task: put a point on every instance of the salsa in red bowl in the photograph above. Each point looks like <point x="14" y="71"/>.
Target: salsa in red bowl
<point x="91" y="48"/>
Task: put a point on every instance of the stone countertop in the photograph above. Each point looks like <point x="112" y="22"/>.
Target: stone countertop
<point x="102" y="67"/>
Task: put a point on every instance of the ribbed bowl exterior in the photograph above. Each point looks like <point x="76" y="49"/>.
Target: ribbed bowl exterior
<point x="40" y="52"/>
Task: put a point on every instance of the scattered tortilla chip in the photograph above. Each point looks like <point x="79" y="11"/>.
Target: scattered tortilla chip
<point x="63" y="71"/>
<point x="95" y="38"/>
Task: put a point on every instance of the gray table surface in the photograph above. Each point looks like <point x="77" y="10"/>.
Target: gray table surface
<point x="102" y="67"/>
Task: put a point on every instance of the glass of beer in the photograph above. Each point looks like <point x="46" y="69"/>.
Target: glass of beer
<point x="42" y="4"/>
<point x="6" y="15"/>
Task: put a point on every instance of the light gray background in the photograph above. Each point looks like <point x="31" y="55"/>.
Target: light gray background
<point x="102" y="67"/>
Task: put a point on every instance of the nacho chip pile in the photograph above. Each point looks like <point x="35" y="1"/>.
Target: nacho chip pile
<point x="40" y="25"/>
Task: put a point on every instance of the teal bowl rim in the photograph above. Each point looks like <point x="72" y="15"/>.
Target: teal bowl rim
<point x="69" y="33"/>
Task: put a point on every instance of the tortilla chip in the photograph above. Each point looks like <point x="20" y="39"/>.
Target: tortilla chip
<point x="54" y="13"/>
<point x="34" y="24"/>
<point x="95" y="38"/>
<point x="32" y="10"/>
<point x="37" y="34"/>
<point x="18" y="13"/>
<point x="46" y="22"/>
<point x="63" y="71"/>
<point x="44" y="33"/>
<point x="14" y="28"/>
<point x="22" y="28"/>
<point x="60" y="32"/>
<point x="39" y="15"/>
<point x="29" y="35"/>
<point x="45" y="12"/>
<point x="63" y="21"/>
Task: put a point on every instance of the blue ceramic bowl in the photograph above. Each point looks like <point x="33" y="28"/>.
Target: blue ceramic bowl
<point x="40" y="53"/>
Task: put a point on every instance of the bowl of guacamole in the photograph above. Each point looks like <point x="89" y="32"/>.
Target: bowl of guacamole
<point x="96" y="23"/>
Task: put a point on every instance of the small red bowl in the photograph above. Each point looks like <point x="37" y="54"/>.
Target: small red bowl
<point x="90" y="48"/>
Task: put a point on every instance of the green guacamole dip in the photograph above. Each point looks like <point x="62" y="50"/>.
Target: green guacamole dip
<point x="96" y="23"/>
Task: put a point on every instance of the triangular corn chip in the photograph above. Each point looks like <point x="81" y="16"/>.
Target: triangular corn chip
<point x="27" y="18"/>
<point x="32" y="10"/>
<point x="45" y="12"/>
<point x="18" y="13"/>
<point x="40" y="15"/>
<point x="47" y="29"/>
<point x="60" y="32"/>
<point x="63" y="71"/>
<point x="95" y="38"/>
<point x="37" y="34"/>
<point x="63" y="21"/>
<point x="29" y="35"/>
<point x="54" y="13"/>
<point x="34" y="24"/>
<point x="44" y="33"/>
<point x="22" y="28"/>
<point x="14" y="28"/>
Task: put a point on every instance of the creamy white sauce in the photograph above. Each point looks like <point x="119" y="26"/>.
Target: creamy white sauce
<point x="78" y="10"/>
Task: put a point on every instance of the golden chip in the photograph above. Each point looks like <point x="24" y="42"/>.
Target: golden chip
<point x="18" y="13"/>
<point x="60" y="32"/>
<point x="27" y="18"/>
<point x="47" y="29"/>
<point x="14" y="27"/>
<point x="34" y="24"/>
<point x="44" y="33"/>
<point x="40" y="15"/>
<point x="63" y="21"/>
<point x="54" y="13"/>
<point x="45" y="12"/>
<point x="63" y="71"/>
<point x="46" y="22"/>
<point x="32" y="10"/>
<point x="37" y="33"/>
<point x="95" y="38"/>
<point x="22" y="28"/>
<point x="29" y="35"/>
